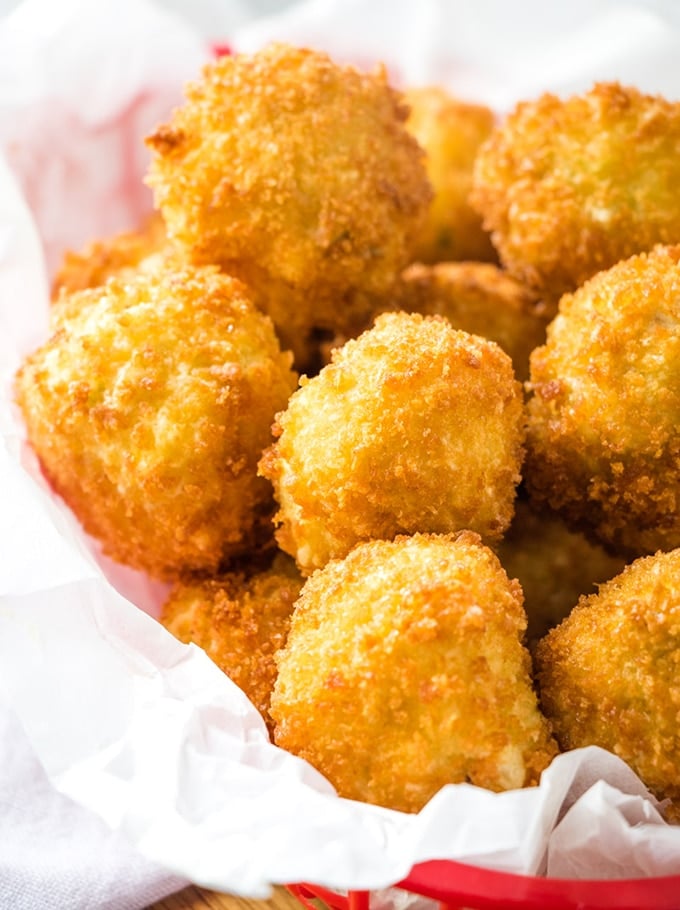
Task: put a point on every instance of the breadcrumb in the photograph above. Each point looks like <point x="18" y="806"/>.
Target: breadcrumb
<point x="481" y="299"/>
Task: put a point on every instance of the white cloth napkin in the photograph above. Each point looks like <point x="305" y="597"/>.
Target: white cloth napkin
<point x="55" y="855"/>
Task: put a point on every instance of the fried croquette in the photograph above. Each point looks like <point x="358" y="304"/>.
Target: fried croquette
<point x="287" y="164"/>
<point x="609" y="673"/>
<point x="554" y="565"/>
<point x="240" y="620"/>
<point x="414" y="426"/>
<point x="603" y="445"/>
<point x="450" y="131"/>
<point x="570" y="187"/>
<point x="481" y="299"/>
<point x="149" y="408"/>
<point x="404" y="671"/>
<point x="100" y="260"/>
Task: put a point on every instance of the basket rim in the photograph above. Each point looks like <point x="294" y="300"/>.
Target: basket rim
<point x="449" y="880"/>
<point x="456" y="884"/>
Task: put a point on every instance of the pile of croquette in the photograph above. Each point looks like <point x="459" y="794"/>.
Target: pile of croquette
<point x="387" y="390"/>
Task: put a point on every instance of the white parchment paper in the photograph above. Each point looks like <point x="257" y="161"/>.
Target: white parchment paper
<point x="142" y="730"/>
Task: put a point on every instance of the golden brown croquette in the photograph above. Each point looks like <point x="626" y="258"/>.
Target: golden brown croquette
<point x="289" y="165"/>
<point x="609" y="673"/>
<point x="603" y="444"/>
<point x="414" y="426"/>
<point x="404" y="670"/>
<point x="568" y="187"/>
<point x="103" y="259"/>
<point x="149" y="408"/>
<point x="554" y="565"/>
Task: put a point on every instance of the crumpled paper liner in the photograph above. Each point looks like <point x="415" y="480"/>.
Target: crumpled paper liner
<point x="490" y="51"/>
<point x="80" y="84"/>
<point x="147" y="732"/>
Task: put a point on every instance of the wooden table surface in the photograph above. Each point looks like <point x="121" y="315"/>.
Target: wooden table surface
<point x="193" y="898"/>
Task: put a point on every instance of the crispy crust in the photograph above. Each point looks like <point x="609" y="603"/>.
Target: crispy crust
<point x="404" y="671"/>
<point x="414" y="426"/>
<point x="554" y="565"/>
<point x="149" y="408"/>
<point x="288" y="163"/>
<point x="569" y="188"/>
<point x="103" y="259"/>
<point x="603" y="441"/>
<point x="609" y="673"/>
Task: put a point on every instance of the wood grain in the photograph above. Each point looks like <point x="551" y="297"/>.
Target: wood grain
<point x="193" y="898"/>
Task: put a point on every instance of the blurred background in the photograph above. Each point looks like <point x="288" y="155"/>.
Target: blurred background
<point x="213" y="17"/>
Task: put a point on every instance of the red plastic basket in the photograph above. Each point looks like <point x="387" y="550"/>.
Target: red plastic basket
<point x="456" y="886"/>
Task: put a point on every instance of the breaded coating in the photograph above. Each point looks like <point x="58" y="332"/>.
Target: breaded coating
<point x="554" y="565"/>
<point x="414" y="426"/>
<point x="451" y="132"/>
<point x="149" y="408"/>
<point x="603" y="445"/>
<point x="609" y="673"/>
<point x="240" y="620"/>
<point x="118" y="256"/>
<point x="404" y="671"/>
<point x="481" y="299"/>
<point x="286" y="163"/>
<point x="570" y="187"/>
